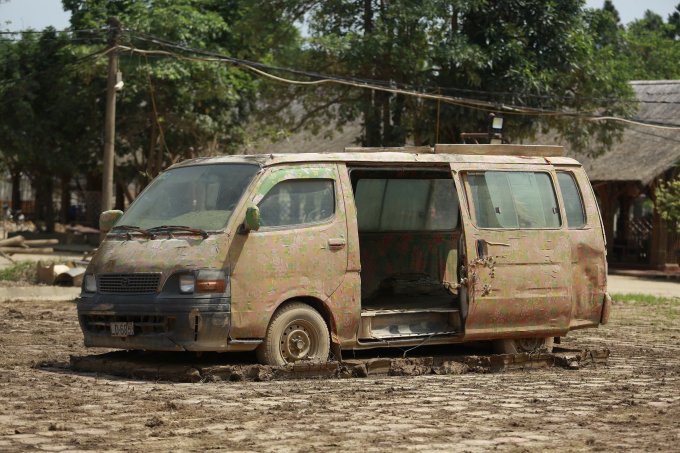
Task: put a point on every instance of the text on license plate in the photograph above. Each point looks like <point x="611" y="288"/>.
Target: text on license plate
<point x="122" y="329"/>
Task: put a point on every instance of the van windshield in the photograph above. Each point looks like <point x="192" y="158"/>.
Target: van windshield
<point x="201" y="197"/>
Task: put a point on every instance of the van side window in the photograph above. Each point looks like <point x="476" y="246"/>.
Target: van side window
<point x="406" y="204"/>
<point x="298" y="202"/>
<point x="514" y="199"/>
<point x="573" y="203"/>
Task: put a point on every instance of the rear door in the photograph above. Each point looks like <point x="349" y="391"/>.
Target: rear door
<point x="517" y="252"/>
<point x="588" y="278"/>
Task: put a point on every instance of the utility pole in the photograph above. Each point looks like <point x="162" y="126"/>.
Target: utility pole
<point x="110" y="121"/>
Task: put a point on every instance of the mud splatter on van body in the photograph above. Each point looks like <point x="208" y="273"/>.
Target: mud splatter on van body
<point x="371" y="288"/>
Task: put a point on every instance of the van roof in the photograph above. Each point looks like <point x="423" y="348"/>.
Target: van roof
<point x="501" y="154"/>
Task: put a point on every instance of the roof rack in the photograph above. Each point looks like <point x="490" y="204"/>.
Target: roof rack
<point x="501" y="150"/>
<point x="475" y="150"/>
<point x="402" y="149"/>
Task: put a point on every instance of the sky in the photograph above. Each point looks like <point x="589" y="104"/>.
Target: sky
<point x="630" y="10"/>
<point x="38" y="14"/>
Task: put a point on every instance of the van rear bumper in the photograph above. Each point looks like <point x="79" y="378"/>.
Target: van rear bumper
<point x="172" y="324"/>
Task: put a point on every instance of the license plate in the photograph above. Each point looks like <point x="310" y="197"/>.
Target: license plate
<point x="122" y="329"/>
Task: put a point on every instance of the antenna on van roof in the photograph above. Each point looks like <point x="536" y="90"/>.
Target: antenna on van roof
<point x="494" y="132"/>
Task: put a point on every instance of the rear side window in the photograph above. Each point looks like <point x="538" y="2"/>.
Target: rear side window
<point x="406" y="204"/>
<point x="573" y="203"/>
<point x="514" y="199"/>
<point x="298" y="202"/>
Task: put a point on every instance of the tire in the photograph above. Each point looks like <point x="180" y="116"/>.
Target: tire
<point x="521" y="345"/>
<point x="296" y="332"/>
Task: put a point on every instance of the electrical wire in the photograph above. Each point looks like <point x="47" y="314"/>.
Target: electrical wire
<point x="470" y="103"/>
<point x="149" y="38"/>
<point x="51" y="39"/>
<point x="87" y="30"/>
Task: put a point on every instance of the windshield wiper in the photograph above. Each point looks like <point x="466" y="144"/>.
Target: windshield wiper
<point x="134" y="228"/>
<point x="203" y="233"/>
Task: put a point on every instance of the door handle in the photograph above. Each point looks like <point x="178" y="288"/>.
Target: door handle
<point x="480" y="246"/>
<point x="495" y="243"/>
<point x="336" y="244"/>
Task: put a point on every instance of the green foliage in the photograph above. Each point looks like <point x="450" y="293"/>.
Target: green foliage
<point x="668" y="201"/>
<point x="532" y="47"/>
<point x="47" y="130"/>
<point x="644" y="50"/>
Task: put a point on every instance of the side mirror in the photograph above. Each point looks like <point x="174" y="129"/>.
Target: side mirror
<point x="252" y="222"/>
<point x="108" y="219"/>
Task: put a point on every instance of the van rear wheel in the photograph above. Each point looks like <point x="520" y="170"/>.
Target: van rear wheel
<point x="296" y="332"/>
<point x="520" y="345"/>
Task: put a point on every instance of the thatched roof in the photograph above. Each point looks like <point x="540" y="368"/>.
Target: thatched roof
<point x="644" y="153"/>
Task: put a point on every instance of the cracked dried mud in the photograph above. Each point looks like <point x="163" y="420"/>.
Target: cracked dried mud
<point x="633" y="402"/>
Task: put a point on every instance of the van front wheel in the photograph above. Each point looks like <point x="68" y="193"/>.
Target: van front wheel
<point x="296" y="332"/>
<point x="520" y="345"/>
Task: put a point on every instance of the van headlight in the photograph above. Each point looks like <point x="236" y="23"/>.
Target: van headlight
<point x="187" y="283"/>
<point x="90" y="284"/>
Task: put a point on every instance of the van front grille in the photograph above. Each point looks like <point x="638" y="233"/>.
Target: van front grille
<point x="137" y="283"/>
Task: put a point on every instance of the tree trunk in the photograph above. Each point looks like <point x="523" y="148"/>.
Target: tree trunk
<point x="368" y="17"/>
<point x="151" y="161"/>
<point x="65" y="199"/>
<point x="16" y="190"/>
<point x="120" y="197"/>
<point x="387" y="127"/>
<point x="397" y="131"/>
<point x="159" y="159"/>
<point x="49" y="204"/>
<point x="39" y="203"/>
<point x="371" y="123"/>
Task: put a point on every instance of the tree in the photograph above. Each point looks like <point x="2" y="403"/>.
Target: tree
<point x="46" y="132"/>
<point x="644" y="50"/>
<point x="674" y="20"/>
<point x="667" y="201"/>
<point x="170" y="106"/>
<point x="535" y="48"/>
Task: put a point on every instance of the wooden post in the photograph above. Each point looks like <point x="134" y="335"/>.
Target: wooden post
<point x="110" y="122"/>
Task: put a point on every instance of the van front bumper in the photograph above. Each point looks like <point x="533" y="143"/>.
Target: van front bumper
<point x="159" y="324"/>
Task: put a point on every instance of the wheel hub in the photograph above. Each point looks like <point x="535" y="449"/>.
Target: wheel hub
<point x="296" y="343"/>
<point x="528" y="344"/>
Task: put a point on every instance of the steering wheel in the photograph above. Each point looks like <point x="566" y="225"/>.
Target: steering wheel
<point x="310" y="214"/>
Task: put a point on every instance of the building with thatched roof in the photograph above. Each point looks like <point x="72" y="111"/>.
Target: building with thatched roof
<point x="624" y="178"/>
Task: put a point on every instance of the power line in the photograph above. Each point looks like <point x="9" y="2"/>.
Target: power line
<point x="51" y="39"/>
<point x="87" y="30"/>
<point x="164" y="42"/>
<point x="470" y="103"/>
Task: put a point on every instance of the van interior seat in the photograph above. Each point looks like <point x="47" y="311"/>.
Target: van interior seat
<point x="402" y="270"/>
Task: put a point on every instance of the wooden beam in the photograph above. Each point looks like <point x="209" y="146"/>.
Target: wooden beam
<point x="403" y="149"/>
<point x="500" y="150"/>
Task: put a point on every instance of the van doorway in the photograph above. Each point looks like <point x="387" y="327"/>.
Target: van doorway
<point x="409" y="231"/>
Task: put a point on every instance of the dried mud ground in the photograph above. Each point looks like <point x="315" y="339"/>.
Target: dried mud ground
<point x="631" y="403"/>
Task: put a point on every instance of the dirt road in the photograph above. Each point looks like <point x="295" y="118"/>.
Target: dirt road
<point x="620" y="284"/>
<point x="632" y="403"/>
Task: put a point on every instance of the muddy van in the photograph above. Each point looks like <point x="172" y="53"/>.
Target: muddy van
<point x="300" y="255"/>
